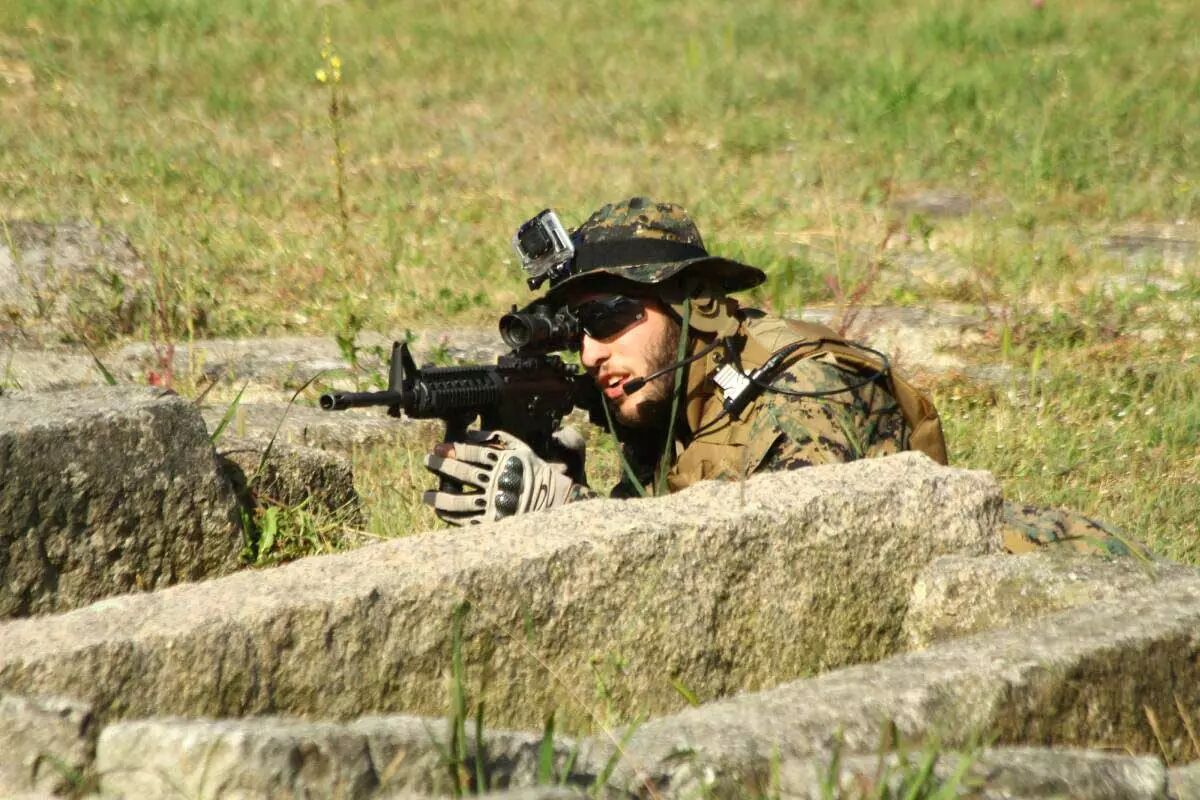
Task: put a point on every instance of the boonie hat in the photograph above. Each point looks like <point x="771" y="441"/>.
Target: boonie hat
<point x="643" y="241"/>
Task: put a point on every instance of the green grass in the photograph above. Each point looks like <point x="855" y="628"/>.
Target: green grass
<point x="792" y="131"/>
<point x="201" y="129"/>
<point x="1119" y="442"/>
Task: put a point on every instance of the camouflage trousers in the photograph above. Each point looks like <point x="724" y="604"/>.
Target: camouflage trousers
<point x="1025" y="528"/>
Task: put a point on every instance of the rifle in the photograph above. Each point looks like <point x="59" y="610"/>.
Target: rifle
<point x="525" y="393"/>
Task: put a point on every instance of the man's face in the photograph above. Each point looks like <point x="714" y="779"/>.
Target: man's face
<point x="637" y="350"/>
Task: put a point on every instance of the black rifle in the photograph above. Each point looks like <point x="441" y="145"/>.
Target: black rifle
<point x="525" y="394"/>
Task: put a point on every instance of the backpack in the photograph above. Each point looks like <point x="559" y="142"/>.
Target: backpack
<point x="919" y="413"/>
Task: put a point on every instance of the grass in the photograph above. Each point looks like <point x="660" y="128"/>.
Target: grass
<point x="265" y="201"/>
<point x="1119" y="445"/>
<point x="203" y="126"/>
<point x="903" y="775"/>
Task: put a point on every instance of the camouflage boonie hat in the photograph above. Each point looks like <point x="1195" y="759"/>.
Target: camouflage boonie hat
<point x="647" y="242"/>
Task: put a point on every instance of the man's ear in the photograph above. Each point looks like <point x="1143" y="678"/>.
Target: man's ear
<point x="712" y="310"/>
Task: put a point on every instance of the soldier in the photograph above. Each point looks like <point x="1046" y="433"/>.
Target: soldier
<point x="696" y="386"/>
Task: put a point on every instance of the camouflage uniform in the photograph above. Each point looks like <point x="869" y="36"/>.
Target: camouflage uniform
<point x="865" y="413"/>
<point x="782" y="432"/>
<point x="778" y="431"/>
<point x="1027" y="528"/>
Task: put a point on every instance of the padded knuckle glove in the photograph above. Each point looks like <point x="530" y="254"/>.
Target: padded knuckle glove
<point x="497" y="476"/>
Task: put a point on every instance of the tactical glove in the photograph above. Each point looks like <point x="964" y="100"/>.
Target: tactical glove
<point x="500" y="476"/>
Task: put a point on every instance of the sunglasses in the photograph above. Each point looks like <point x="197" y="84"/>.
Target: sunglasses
<point x="605" y="317"/>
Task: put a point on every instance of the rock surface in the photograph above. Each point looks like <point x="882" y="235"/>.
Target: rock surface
<point x="291" y="361"/>
<point x="280" y="757"/>
<point x="270" y="369"/>
<point x="104" y="491"/>
<point x="46" y="369"/>
<point x="230" y="758"/>
<point x="720" y="588"/>
<point x="1184" y="782"/>
<point x="958" y="595"/>
<point x="940" y="203"/>
<point x="44" y="742"/>
<point x="1003" y="772"/>
<point x="287" y="475"/>
<point x="1087" y="677"/>
<point x="1174" y="246"/>
<point x="404" y="756"/>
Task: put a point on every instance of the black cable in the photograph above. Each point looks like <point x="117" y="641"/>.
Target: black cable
<point x="782" y="353"/>
<point x="633" y="384"/>
<point x="785" y="351"/>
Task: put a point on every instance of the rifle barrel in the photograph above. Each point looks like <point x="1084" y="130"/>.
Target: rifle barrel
<point x="339" y="401"/>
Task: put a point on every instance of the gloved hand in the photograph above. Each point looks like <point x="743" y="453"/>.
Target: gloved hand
<point x="500" y="475"/>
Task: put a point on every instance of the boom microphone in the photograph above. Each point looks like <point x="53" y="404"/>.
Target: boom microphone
<point x="633" y="384"/>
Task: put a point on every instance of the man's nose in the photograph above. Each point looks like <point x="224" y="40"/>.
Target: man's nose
<point x="593" y="353"/>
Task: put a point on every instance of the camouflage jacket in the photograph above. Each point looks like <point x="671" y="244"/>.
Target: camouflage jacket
<point x="853" y="415"/>
<point x="856" y="417"/>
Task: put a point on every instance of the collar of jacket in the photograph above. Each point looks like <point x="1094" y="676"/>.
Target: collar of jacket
<point x="713" y="317"/>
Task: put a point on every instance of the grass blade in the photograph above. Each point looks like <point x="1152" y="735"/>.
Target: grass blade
<point x="921" y="781"/>
<point x="545" y="773"/>
<point x="228" y="415"/>
<point x="687" y="694"/>
<point x="458" y="701"/>
<point x="267" y="533"/>
<point x="211" y="385"/>
<point x="668" y="456"/>
<point x="625" y="467"/>
<point x="611" y="764"/>
<point x="108" y="376"/>
<point x="481" y="781"/>
<point x="262" y="462"/>
<point x="565" y="775"/>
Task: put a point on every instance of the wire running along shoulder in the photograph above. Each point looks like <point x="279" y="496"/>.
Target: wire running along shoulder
<point x="779" y="356"/>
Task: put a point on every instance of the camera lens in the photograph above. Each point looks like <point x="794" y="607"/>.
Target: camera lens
<point x="535" y="242"/>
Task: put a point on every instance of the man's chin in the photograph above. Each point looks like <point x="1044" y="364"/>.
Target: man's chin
<point x="634" y="413"/>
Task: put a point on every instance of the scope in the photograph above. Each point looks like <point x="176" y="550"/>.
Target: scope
<point x="537" y="331"/>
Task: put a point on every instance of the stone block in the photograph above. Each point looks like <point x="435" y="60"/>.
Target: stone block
<point x="999" y="773"/>
<point x="960" y="595"/>
<point x="1086" y="677"/>
<point x="409" y="754"/>
<point x="304" y="426"/>
<point x="372" y="757"/>
<point x="233" y="758"/>
<point x="45" y="369"/>
<point x="104" y="491"/>
<point x="1183" y="782"/>
<point x="721" y="588"/>
<point x="281" y="474"/>
<point x="540" y="793"/>
<point x="46" y="744"/>
<point x="291" y="361"/>
<point x="924" y="340"/>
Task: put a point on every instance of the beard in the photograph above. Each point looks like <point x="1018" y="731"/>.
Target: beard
<point x="653" y="407"/>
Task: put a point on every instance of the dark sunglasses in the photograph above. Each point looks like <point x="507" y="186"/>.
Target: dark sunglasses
<point x="607" y="316"/>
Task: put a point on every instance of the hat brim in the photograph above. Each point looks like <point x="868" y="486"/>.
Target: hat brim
<point x="732" y="276"/>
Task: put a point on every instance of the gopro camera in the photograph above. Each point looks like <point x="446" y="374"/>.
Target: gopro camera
<point x="544" y="247"/>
